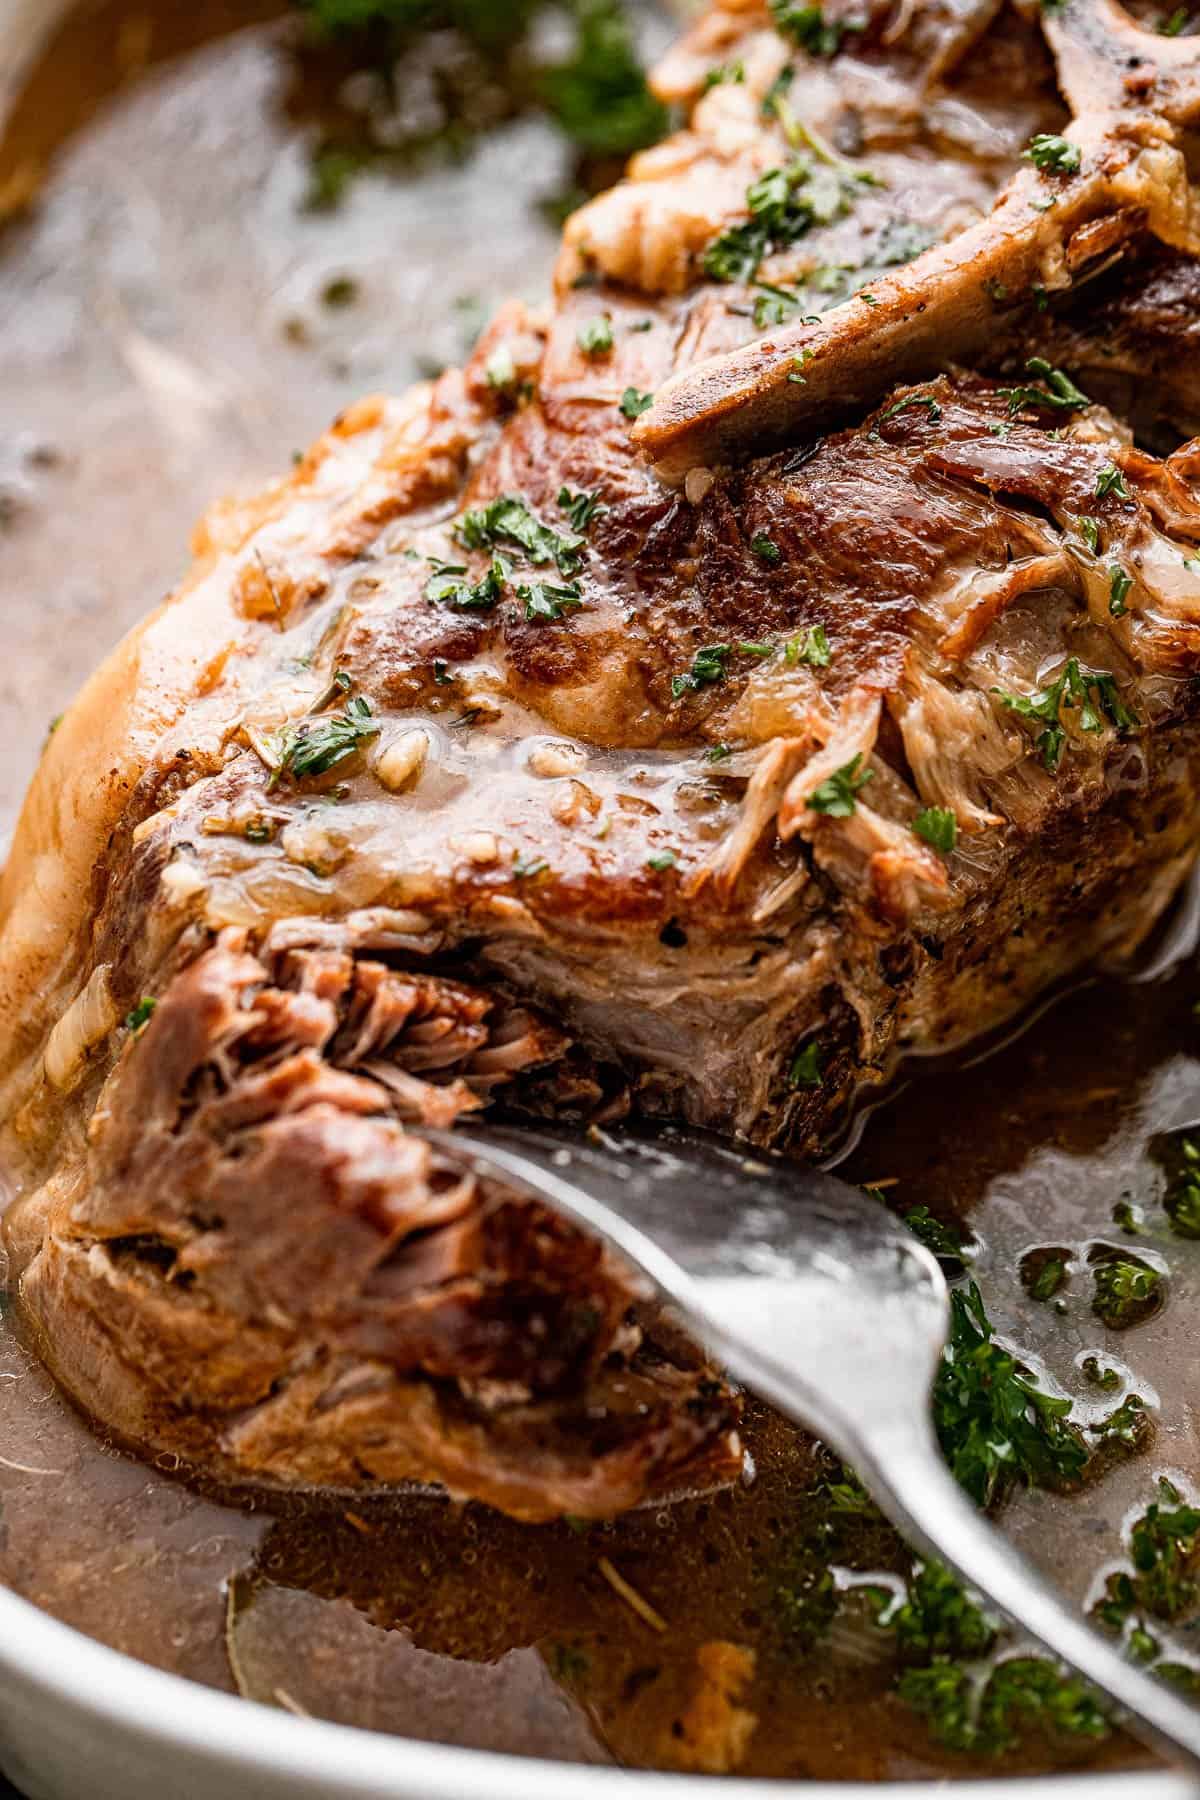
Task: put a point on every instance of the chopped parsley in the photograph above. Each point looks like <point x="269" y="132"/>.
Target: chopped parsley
<point x="581" y="507"/>
<point x="544" y="601"/>
<point x="441" y="672"/>
<point x="449" y="585"/>
<point x="783" y="205"/>
<point x="807" y="1066"/>
<point x="718" y="753"/>
<point x="1092" y="693"/>
<point x="317" y="745"/>
<point x="1110" y="480"/>
<point x="598" y="97"/>
<point x="938" y="825"/>
<point x="944" y="1636"/>
<point x="527" y="871"/>
<point x="1164" y="1551"/>
<point x="1052" y="154"/>
<point x="837" y="795"/>
<point x="798" y="362"/>
<point x="944" y="1240"/>
<point x="141" y="1014"/>
<point x="724" y="74"/>
<point x="1174" y="24"/>
<point x="1089" y="531"/>
<point x="811" y="647"/>
<point x="508" y="519"/>
<point x="635" y="403"/>
<point x="1119" y="584"/>
<point x="1021" y="1690"/>
<point x="767" y="548"/>
<point x="1059" y="394"/>
<point x="994" y="1423"/>
<point x="661" y="861"/>
<point x="808" y="27"/>
<point x="1182" y="1201"/>
<point x="708" y="667"/>
<point x="1125" y="1291"/>
<point x="936" y="1618"/>
<point x="1127" y="1424"/>
<point x="1043" y="1273"/>
<point x="595" y="336"/>
<point x="774" y="305"/>
<point x="925" y="400"/>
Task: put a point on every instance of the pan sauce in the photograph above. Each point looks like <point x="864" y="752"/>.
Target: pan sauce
<point x="162" y="337"/>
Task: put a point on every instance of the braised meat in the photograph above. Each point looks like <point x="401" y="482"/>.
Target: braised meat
<point x="538" y="741"/>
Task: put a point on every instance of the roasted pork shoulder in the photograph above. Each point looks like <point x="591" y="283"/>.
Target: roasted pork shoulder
<point x="582" y="732"/>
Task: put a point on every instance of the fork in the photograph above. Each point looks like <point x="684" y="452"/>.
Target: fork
<point x="814" y="1296"/>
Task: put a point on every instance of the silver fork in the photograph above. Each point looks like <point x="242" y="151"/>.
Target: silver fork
<point x="815" y="1297"/>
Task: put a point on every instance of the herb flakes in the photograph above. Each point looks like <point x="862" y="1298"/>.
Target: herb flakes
<point x="837" y="795"/>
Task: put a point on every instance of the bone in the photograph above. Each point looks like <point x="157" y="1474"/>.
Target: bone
<point x="1130" y="88"/>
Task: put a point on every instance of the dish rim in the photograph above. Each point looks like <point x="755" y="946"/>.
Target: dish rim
<point x="167" y="1712"/>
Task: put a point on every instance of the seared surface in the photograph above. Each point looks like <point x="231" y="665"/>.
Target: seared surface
<point x="621" y="812"/>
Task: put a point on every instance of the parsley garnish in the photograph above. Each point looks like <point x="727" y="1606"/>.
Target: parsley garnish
<point x="1125" y="1291"/>
<point x="318" y="745"/>
<point x="708" y="666"/>
<point x="595" y="336"/>
<point x="807" y="26"/>
<point x="449" y="586"/>
<point x="1182" y="1201"/>
<point x="937" y="1619"/>
<point x="798" y="362"/>
<point x="783" y="204"/>
<point x="944" y="1240"/>
<point x="734" y="72"/>
<point x="717" y="753"/>
<point x="1172" y="26"/>
<point x="1053" y="155"/>
<point x="441" y="672"/>
<point x="811" y="647"/>
<point x="774" y="305"/>
<point x="1090" y="692"/>
<point x="508" y="519"/>
<point x="767" y="548"/>
<point x="599" y="98"/>
<point x="807" y="1066"/>
<point x="1163" y="1547"/>
<point x="926" y="400"/>
<point x="1119" y="584"/>
<point x="938" y="825"/>
<point x="544" y="601"/>
<point x="1110" y="480"/>
<point x="1089" y="531"/>
<point x="662" y="860"/>
<point x="634" y="404"/>
<point x="1060" y="392"/>
<point x="1021" y="1689"/>
<point x="837" y="795"/>
<point x="580" y="507"/>
<point x="140" y="1015"/>
<point x="994" y="1423"/>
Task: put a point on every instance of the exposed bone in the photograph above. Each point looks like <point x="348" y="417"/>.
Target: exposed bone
<point x="1130" y="88"/>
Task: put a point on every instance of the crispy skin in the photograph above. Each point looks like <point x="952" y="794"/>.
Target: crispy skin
<point x="622" y="863"/>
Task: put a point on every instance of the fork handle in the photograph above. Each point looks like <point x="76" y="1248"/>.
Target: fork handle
<point x="906" y="1475"/>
